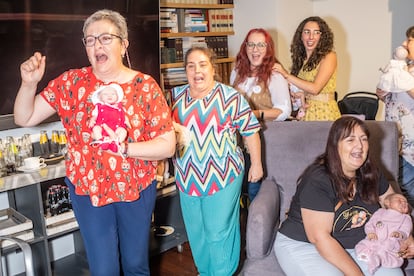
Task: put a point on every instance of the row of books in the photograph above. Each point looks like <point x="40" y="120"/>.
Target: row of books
<point x="173" y="49"/>
<point x="195" y="21"/>
<point x="224" y="71"/>
<point x="173" y="77"/>
<point x="173" y="20"/>
<point x="197" y="2"/>
<point x="220" y="20"/>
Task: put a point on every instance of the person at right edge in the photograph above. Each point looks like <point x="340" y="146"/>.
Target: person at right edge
<point x="399" y="108"/>
<point x="313" y="71"/>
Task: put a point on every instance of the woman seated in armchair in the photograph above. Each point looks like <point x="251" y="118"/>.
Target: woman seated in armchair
<point x="336" y="195"/>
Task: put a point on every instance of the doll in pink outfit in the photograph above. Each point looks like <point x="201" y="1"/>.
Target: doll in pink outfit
<point x="385" y="230"/>
<point x="108" y="110"/>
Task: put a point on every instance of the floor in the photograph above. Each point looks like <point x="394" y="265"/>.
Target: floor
<point x="174" y="263"/>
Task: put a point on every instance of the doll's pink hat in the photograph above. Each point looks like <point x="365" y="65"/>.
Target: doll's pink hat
<point x="117" y="87"/>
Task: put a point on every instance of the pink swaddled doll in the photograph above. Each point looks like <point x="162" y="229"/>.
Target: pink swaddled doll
<point x="385" y="230"/>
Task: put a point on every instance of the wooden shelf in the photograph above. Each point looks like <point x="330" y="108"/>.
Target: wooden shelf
<point x="196" y="6"/>
<point x="181" y="64"/>
<point x="171" y="35"/>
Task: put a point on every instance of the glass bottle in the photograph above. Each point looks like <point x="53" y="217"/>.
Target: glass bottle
<point x="21" y="152"/>
<point x="62" y="142"/>
<point x="28" y="145"/>
<point x="3" y="168"/>
<point x="54" y="142"/>
<point x="44" y="144"/>
<point x="10" y="153"/>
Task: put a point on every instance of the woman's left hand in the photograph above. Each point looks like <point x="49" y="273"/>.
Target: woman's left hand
<point x="255" y="173"/>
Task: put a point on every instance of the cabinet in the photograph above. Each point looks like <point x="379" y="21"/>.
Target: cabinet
<point x="26" y="193"/>
<point x="183" y="25"/>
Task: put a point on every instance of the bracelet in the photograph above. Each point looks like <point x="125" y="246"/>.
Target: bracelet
<point x="125" y="151"/>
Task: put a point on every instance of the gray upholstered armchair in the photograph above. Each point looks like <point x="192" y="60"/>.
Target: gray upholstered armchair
<point x="288" y="148"/>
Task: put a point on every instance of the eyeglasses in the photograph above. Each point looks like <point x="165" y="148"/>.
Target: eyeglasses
<point x="258" y="45"/>
<point x="104" y="39"/>
<point x="314" y="32"/>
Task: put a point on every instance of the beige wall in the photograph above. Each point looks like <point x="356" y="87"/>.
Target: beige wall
<point x="365" y="31"/>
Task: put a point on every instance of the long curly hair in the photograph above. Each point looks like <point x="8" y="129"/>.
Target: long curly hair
<point x="298" y="50"/>
<point x="243" y="64"/>
<point x="368" y="174"/>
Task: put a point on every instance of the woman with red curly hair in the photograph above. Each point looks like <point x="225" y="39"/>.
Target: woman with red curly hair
<point x="266" y="91"/>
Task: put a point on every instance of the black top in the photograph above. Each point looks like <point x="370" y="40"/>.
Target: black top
<point x="316" y="192"/>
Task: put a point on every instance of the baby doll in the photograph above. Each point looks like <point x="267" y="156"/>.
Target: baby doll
<point x="108" y="110"/>
<point x="395" y="76"/>
<point x="298" y="103"/>
<point x="385" y="230"/>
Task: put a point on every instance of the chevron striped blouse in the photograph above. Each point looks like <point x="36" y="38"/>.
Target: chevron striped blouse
<point x="212" y="158"/>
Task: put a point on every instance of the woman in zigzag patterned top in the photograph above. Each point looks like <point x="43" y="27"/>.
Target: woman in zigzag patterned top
<point x="209" y="163"/>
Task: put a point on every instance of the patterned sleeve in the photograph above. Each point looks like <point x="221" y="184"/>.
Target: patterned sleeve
<point x="157" y="110"/>
<point x="52" y="93"/>
<point x="243" y="117"/>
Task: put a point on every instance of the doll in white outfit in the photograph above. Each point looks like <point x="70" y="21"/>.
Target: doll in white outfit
<point x="395" y="76"/>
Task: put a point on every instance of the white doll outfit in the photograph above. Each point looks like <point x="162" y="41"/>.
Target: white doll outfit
<point x="396" y="78"/>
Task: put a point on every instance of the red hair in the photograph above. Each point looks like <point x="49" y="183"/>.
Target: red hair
<point x="265" y="69"/>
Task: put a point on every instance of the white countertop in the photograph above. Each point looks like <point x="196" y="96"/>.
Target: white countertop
<point x="22" y="179"/>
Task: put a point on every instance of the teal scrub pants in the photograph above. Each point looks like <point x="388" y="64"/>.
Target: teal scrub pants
<point x="213" y="229"/>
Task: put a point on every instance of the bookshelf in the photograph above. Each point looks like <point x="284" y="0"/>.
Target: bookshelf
<point x="215" y="22"/>
<point x="195" y="34"/>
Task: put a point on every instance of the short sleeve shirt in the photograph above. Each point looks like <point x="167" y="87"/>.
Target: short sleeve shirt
<point x="316" y="192"/>
<point x="106" y="177"/>
<point x="212" y="159"/>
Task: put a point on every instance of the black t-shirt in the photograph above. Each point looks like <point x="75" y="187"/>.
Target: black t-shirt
<point x="316" y="192"/>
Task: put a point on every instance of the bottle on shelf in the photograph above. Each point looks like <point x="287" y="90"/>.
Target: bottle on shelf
<point x="54" y="142"/>
<point x="44" y="143"/>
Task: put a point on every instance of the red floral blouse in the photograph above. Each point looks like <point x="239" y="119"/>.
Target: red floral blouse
<point x="104" y="176"/>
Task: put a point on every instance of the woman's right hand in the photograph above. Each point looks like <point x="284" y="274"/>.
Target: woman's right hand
<point x="381" y="94"/>
<point x="32" y="70"/>
<point x="277" y="67"/>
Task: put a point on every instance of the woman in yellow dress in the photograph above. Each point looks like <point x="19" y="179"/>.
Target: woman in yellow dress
<point x="313" y="71"/>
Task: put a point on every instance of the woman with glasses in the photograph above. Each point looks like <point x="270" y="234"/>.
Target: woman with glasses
<point x="313" y="70"/>
<point x="113" y="193"/>
<point x="266" y="91"/>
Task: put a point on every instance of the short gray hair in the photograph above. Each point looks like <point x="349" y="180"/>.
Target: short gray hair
<point x="112" y="16"/>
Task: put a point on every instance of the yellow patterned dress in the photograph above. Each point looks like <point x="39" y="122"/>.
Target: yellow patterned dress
<point x="322" y="107"/>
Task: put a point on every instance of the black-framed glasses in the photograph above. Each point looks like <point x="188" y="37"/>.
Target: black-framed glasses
<point x="259" y="45"/>
<point x="104" y="39"/>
